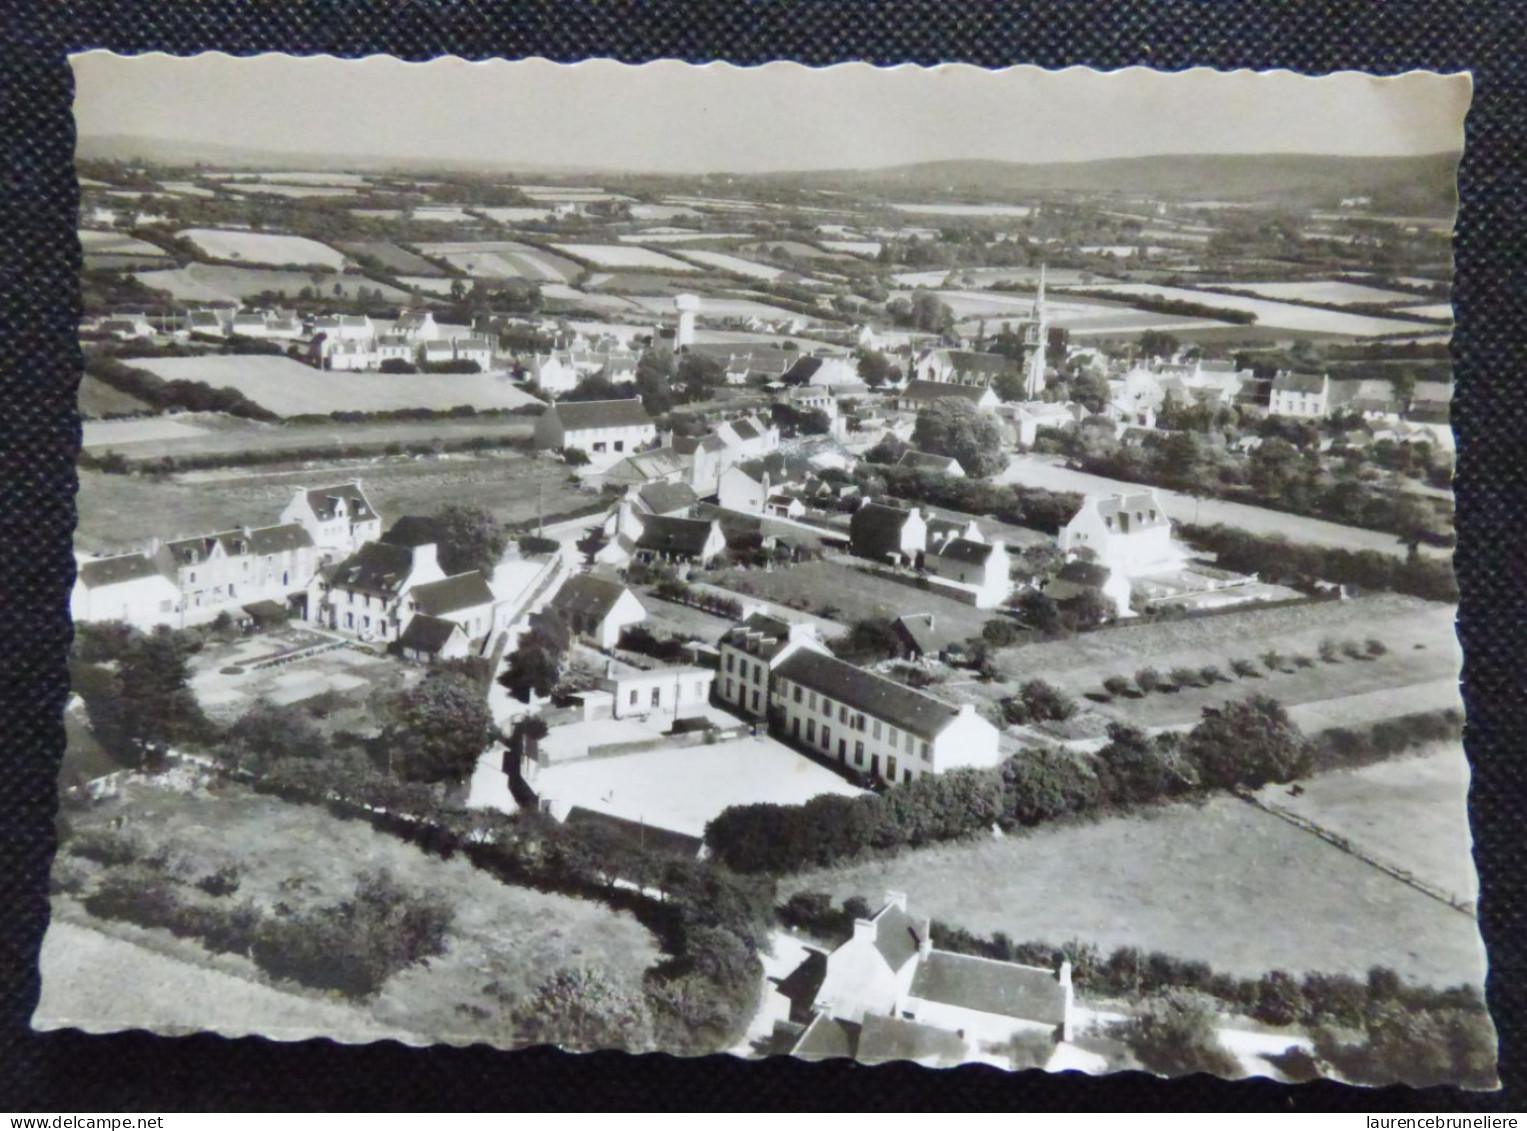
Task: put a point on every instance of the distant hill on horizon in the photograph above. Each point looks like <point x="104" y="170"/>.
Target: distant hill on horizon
<point x="1423" y="184"/>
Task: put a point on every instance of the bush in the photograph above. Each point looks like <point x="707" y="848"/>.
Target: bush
<point x="1176" y="1034"/>
<point x="999" y="632"/>
<point x="1375" y="647"/>
<point x="1329" y="651"/>
<point x="575" y="457"/>
<point x="1280" y="1001"/>
<point x="1304" y="661"/>
<point x="223" y="882"/>
<point x="1186" y="677"/>
<point x="1211" y="674"/>
<point x="1117" y="686"/>
<point x="1353" y="650"/>
<point x="1148" y="680"/>
<point x="1046" y="702"/>
<point x="1245" y="669"/>
<point x="1273" y="660"/>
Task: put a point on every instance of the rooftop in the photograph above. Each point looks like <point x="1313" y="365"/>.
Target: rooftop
<point x="577" y="416"/>
<point x="1028" y="993"/>
<point x="872" y="694"/>
<point x="452" y="594"/>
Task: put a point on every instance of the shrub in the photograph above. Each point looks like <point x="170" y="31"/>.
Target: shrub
<point x="999" y="632"/>
<point x="1273" y="660"/>
<point x="1186" y="677"/>
<point x="1304" y="661"/>
<point x="1047" y="702"/>
<point x="1280" y="1001"/>
<point x="1117" y="686"/>
<point x="112" y="847"/>
<point x="1176" y="1034"/>
<point x="223" y="882"/>
<point x="575" y="457"/>
<point x="1211" y="674"/>
<point x="1329" y="650"/>
<point x="1148" y="679"/>
<point x="1247" y="743"/>
<point x="1375" y="647"/>
<point x="1353" y="650"/>
<point x="1245" y="669"/>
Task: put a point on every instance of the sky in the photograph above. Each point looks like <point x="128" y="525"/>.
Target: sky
<point x="680" y="118"/>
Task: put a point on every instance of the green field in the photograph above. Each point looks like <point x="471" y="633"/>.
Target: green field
<point x="122" y="511"/>
<point x="1222" y="882"/>
<point x="511" y="936"/>
<point x="99" y="399"/>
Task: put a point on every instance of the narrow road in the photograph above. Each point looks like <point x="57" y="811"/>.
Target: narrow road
<point x="1047" y="472"/>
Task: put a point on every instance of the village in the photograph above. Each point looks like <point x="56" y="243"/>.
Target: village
<point x="830" y="595"/>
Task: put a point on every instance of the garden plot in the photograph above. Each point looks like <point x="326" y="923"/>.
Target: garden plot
<point x="262" y="247"/>
<point x="1270" y="314"/>
<point x="1331" y="292"/>
<point x="290" y="388"/>
<point x="733" y="264"/>
<point x="92" y="240"/>
<point x="616" y="258"/>
<point x="614" y="304"/>
<point x="97" y="398"/>
<point x="218" y="282"/>
<point x="504" y="259"/>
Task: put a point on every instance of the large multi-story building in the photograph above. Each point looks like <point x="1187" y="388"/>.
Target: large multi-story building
<point x="340" y="519"/>
<point x="750" y="651"/>
<point x="874" y="725"/>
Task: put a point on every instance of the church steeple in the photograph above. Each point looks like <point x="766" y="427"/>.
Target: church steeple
<point x="1039" y="335"/>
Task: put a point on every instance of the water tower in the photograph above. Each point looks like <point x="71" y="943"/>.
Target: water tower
<point x="688" y="306"/>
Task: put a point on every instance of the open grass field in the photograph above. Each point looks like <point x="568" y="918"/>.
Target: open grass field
<point x="96" y="398"/>
<point x="515" y="215"/>
<point x="391" y="256"/>
<point x="218" y="282"/>
<point x="852" y="593"/>
<point x="121" y="511"/>
<point x="733" y="263"/>
<point x="511" y="936"/>
<point x="1017" y="211"/>
<point x="1332" y="291"/>
<point x="261" y="247"/>
<point x="614" y="257"/>
<point x="94" y="240"/>
<point x="1222" y="882"/>
<point x="1275" y="315"/>
<point x="290" y="388"/>
<point x="1411" y="812"/>
<point x="504" y="259"/>
<point x="1423" y="651"/>
<point x="1051" y="474"/>
<point x="294" y="192"/>
<point x="678" y="237"/>
<point x="216" y="434"/>
<point x="1079" y="316"/>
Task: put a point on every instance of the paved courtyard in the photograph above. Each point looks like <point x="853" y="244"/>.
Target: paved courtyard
<point x="682" y="789"/>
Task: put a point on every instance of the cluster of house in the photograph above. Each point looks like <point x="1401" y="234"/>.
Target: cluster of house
<point x="329" y="563"/>
<point x="887" y="993"/>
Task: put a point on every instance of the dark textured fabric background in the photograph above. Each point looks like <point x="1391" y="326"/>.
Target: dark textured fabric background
<point x="39" y="433"/>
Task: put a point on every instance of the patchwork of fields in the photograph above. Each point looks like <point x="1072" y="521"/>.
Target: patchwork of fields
<point x="218" y="282"/>
<point x="290" y="388"/>
<point x="504" y="259"/>
<point x="1271" y="314"/>
<point x="615" y="257"/>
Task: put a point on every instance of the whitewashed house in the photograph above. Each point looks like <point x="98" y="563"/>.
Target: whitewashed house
<point x="606" y="430"/>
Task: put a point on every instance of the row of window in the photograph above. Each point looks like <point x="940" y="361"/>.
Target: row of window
<point x="855" y="721"/>
<point x="760" y="671"/>
<point x="885" y="771"/>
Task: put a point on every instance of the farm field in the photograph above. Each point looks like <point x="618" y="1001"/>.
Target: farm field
<point x="719" y="307"/>
<point x="1441" y="311"/>
<point x="855" y="593"/>
<point x="617" y="258"/>
<point x="96" y="398"/>
<point x="513" y="936"/>
<point x="735" y="264"/>
<point x="281" y="176"/>
<point x="118" y="512"/>
<point x="586" y="300"/>
<point x="515" y="215"/>
<point x="186" y="188"/>
<point x="867" y="248"/>
<point x="1423" y="654"/>
<point x="1041" y="472"/>
<point x="662" y="212"/>
<point x="290" y="388"/>
<point x="435" y="285"/>
<point x="391" y="256"/>
<point x="1080" y="316"/>
<point x="443" y="215"/>
<point x="292" y="192"/>
<point x="1017" y="211"/>
<point x="1221" y="882"/>
<point x="679" y="237"/>
<point x="1325" y="290"/>
<point x="119" y="243"/>
<point x="1394" y="811"/>
<point x="1275" y="315"/>
<point x="262" y="247"/>
<point x="987" y="276"/>
<point x="503" y="259"/>
<point x="218" y="282"/>
<point x="211" y="433"/>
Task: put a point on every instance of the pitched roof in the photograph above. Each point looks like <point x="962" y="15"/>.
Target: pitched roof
<point x="827" y="1038"/>
<point x="428" y="634"/>
<point x="1028" y="993"/>
<point x="668" y="498"/>
<point x="377" y="567"/>
<point x="983" y="364"/>
<point x="873" y="694"/>
<point x="781" y="467"/>
<point x="1286" y="382"/>
<point x="897" y="935"/>
<point x="452" y="594"/>
<point x="746" y="429"/>
<point x="102" y="572"/>
<point x="279" y="539"/>
<point x="666" y="534"/>
<point x="322" y="500"/>
<point x="1134" y="512"/>
<point x="918" y="628"/>
<point x="587" y="595"/>
<point x="876" y="524"/>
<point x="802" y="371"/>
<point x="934" y="390"/>
<point x="579" y="415"/>
<point x="759" y="634"/>
<point x="927" y="461"/>
<point x="883" y="1039"/>
<point x="965" y="550"/>
<point x="236" y="543"/>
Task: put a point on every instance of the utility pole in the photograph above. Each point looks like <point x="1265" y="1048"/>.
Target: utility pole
<point x="541" y="511"/>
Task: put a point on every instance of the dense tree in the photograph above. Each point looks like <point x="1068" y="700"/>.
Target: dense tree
<point x="468" y="538"/>
<point x="699" y="376"/>
<point x="1158" y="343"/>
<point x="146" y="704"/>
<point x="654" y="380"/>
<point x="1176" y="1034"/>
<point x="1250" y="742"/>
<point x="436" y="730"/>
<point x="958" y="429"/>
<point x="867" y="641"/>
<point x="598" y="387"/>
<point x="875" y="369"/>
<point x="583" y="1010"/>
<point x="266" y="732"/>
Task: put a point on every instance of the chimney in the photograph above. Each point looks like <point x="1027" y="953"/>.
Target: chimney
<point x="1063" y="974"/>
<point x="805" y="631"/>
<point x="925" y="938"/>
<point x="424" y="557"/>
<point x="864" y="930"/>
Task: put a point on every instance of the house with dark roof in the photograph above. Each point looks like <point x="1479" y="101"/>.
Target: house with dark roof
<point x="363" y="596"/>
<point x="927" y="461"/>
<point x="223" y="572"/>
<point x="919" y="637"/>
<point x="965" y="367"/>
<point x="872" y="725"/>
<point x="340" y="519"/>
<point x="666" y="538"/>
<point x="464" y="599"/>
<point x="748" y="437"/>
<point x="888" y="534"/>
<point x="598" y="608"/>
<point x="607" y="431"/>
<point x="1304" y="395"/>
<point x="137" y="589"/>
<point x="921" y="394"/>
<point x="823" y="372"/>
<point x="750" y="651"/>
<point x="747" y="485"/>
<point x="1127" y="533"/>
<point x="427" y="639"/>
<point x="976" y="567"/>
<point x="889" y="994"/>
<point x="657" y="465"/>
